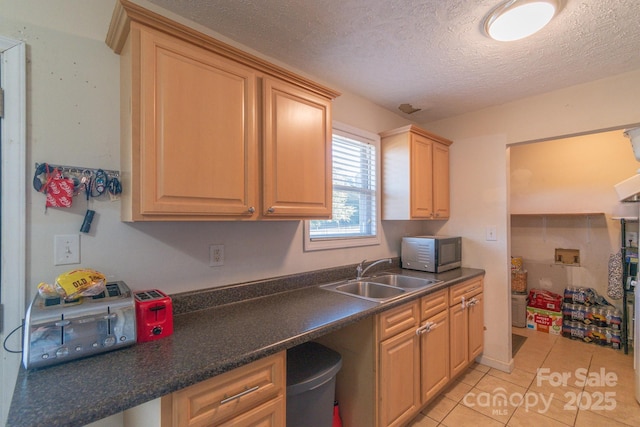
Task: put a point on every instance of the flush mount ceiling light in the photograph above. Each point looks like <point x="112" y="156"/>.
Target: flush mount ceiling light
<point x="517" y="19"/>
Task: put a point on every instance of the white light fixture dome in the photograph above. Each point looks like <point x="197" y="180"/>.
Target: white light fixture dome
<point x="517" y="19"/>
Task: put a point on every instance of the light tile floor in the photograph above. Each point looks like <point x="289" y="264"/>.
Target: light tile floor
<point x="579" y="384"/>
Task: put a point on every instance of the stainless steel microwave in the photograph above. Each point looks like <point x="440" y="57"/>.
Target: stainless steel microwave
<point x="433" y="254"/>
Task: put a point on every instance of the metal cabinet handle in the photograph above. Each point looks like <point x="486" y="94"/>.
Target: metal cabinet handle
<point x="427" y="327"/>
<point x="271" y="210"/>
<point x="239" y="395"/>
<point x="252" y="209"/>
<point x="473" y="301"/>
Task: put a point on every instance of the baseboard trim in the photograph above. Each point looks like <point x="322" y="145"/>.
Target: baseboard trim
<point x="495" y="363"/>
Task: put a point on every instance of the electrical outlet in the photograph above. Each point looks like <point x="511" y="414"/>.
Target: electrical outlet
<point x="216" y="255"/>
<point x="66" y="249"/>
<point x="491" y="233"/>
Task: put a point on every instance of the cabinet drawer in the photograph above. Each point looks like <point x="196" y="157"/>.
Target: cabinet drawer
<point x="434" y="304"/>
<point x="270" y="414"/>
<point x="397" y="320"/>
<point x="465" y="289"/>
<point x="230" y="394"/>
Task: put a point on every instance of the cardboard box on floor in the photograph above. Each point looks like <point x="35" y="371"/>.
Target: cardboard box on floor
<point x="544" y="320"/>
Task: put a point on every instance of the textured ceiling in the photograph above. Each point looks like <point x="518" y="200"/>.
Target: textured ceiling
<point x="432" y="54"/>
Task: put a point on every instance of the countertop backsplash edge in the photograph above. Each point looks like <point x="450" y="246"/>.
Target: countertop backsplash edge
<point x="186" y="302"/>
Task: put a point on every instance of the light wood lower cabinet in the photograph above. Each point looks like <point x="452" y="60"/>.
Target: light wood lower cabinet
<point x="466" y="314"/>
<point x="476" y="327"/>
<point x="269" y="414"/>
<point x="395" y="363"/>
<point x="399" y="362"/>
<point x="250" y="396"/>
<point x="434" y="345"/>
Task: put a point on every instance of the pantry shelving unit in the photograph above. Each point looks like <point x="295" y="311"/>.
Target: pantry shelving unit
<point x="629" y="271"/>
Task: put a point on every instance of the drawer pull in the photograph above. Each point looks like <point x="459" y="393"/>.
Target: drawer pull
<point x="427" y="327"/>
<point x="239" y="395"/>
<point x="473" y="301"/>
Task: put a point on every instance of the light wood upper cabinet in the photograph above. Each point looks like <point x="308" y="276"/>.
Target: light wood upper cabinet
<point x="209" y="132"/>
<point x="297" y="152"/>
<point x="441" y="189"/>
<point x="415" y="174"/>
<point x="196" y="149"/>
<point x="421" y="177"/>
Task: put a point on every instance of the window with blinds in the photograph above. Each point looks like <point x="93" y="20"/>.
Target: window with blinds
<point x="355" y="182"/>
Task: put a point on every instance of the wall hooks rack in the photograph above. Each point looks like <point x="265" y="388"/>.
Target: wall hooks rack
<point x="79" y="170"/>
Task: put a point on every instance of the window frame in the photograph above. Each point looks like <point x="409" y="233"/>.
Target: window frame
<point x="318" y="244"/>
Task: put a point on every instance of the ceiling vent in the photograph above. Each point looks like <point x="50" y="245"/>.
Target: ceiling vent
<point x="408" y="108"/>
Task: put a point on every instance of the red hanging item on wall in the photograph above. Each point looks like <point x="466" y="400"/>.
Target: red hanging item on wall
<point x="58" y="190"/>
<point x="60" y="193"/>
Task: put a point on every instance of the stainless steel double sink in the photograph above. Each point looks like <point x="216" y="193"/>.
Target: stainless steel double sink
<point x="384" y="287"/>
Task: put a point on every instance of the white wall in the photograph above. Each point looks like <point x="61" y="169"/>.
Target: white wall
<point x="480" y="174"/>
<point x="571" y="175"/>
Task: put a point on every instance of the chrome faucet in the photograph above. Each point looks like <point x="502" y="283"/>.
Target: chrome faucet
<point x="360" y="270"/>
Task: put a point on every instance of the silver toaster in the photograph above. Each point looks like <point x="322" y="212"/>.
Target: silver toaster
<point x="56" y="330"/>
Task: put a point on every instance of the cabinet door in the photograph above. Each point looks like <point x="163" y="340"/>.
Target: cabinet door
<point x="441" y="203"/>
<point x="476" y="327"/>
<point x="196" y="145"/>
<point x="399" y="391"/>
<point x="421" y="177"/>
<point x="459" y="338"/>
<point x="297" y="168"/>
<point x="434" y="350"/>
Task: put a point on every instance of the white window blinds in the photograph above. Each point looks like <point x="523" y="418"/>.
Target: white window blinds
<point x="354" y="191"/>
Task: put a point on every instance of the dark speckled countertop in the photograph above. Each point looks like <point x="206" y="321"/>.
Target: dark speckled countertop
<point x="214" y="331"/>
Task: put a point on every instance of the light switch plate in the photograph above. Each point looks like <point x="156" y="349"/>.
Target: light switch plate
<point x="66" y="249"/>
<point x="491" y="233"/>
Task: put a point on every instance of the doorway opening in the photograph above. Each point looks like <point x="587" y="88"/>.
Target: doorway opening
<point x="563" y="200"/>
